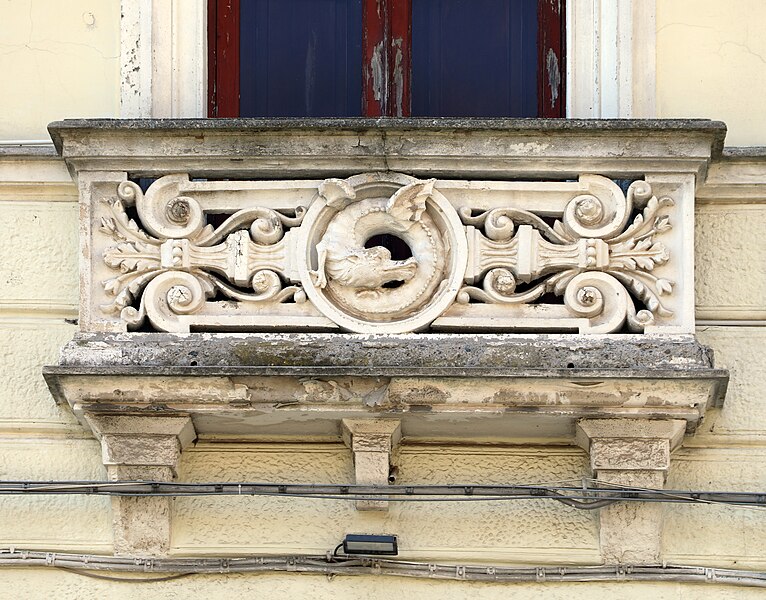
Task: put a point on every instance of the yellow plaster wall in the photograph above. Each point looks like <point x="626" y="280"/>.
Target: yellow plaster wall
<point x="711" y="62"/>
<point x="58" y="59"/>
<point x="531" y="532"/>
<point x="730" y="270"/>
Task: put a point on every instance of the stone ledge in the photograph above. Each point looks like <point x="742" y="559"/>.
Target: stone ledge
<point x="54" y="373"/>
<point x="738" y="176"/>
<point x="454" y="147"/>
<point x="300" y="386"/>
<point x="569" y="353"/>
<point x="717" y="128"/>
<point x="449" y="387"/>
<point x="28" y="151"/>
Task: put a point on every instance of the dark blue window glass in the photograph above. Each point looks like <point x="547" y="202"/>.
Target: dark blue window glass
<point x="474" y="58"/>
<point x="300" y="58"/>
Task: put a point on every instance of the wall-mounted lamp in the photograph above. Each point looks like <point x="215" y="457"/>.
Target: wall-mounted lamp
<point x="370" y="545"/>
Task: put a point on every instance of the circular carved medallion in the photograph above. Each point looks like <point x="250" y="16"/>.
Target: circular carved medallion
<point x="384" y="253"/>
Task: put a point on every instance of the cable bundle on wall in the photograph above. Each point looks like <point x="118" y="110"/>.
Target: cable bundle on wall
<point x="92" y="565"/>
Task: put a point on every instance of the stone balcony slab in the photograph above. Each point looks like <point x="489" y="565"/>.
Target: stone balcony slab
<point x="422" y="147"/>
<point x="448" y="387"/>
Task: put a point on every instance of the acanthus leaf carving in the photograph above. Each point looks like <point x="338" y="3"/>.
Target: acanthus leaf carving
<point x="390" y="253"/>
<point x="176" y="276"/>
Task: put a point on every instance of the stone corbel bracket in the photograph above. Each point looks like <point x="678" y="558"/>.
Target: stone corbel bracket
<point x="373" y="443"/>
<point x="144" y="448"/>
<point x="630" y="453"/>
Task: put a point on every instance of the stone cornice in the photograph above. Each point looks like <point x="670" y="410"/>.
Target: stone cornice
<point x="34" y="173"/>
<point x="444" y="147"/>
<point x="448" y="387"/>
<point x="715" y="129"/>
<point x="738" y="176"/>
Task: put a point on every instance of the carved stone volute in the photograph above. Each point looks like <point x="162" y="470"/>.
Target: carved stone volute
<point x="468" y="264"/>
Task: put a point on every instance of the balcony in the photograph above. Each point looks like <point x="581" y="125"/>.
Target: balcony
<point x="477" y="279"/>
<point x="472" y="281"/>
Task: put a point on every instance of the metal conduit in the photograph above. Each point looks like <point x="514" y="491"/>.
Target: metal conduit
<point x="86" y="564"/>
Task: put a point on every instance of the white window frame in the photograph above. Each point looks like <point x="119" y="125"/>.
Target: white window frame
<point x="611" y="59"/>
<point x="163" y="59"/>
<point x="610" y="73"/>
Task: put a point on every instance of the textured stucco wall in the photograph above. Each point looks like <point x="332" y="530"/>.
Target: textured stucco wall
<point x="711" y="62"/>
<point x="38" y="295"/>
<point x="529" y="532"/>
<point x="57" y="59"/>
<point x="730" y="265"/>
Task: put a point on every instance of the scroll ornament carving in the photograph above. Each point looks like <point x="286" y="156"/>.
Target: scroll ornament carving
<point x="593" y="258"/>
<point x="477" y="265"/>
<point x="241" y="260"/>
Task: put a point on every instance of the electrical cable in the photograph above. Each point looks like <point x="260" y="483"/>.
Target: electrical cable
<point x="593" y="494"/>
<point x="177" y="567"/>
<point x="125" y="579"/>
<point x="579" y="504"/>
<point x="760" y="498"/>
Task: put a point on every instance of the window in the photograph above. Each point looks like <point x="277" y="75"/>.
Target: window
<point x="347" y="58"/>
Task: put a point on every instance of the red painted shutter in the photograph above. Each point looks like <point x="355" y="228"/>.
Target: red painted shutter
<point x="550" y="61"/>
<point x="386" y="56"/>
<point x="223" y="58"/>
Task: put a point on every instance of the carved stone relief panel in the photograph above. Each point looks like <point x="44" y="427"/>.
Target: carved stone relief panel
<point x="387" y="253"/>
<point x="358" y="284"/>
